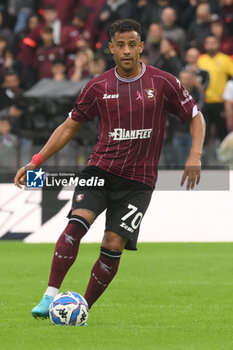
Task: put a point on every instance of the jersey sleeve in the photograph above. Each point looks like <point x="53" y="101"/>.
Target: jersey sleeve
<point x="178" y="100"/>
<point x="85" y="108"/>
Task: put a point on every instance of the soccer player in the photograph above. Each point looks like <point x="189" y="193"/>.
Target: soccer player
<point x="131" y="102"/>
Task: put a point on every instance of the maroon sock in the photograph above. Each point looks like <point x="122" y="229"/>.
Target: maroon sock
<point x="66" y="249"/>
<point x="102" y="274"/>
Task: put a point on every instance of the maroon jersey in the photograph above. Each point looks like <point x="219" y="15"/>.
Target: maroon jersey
<point x="132" y="119"/>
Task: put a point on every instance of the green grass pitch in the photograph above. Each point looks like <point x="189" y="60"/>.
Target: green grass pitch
<point x="176" y="296"/>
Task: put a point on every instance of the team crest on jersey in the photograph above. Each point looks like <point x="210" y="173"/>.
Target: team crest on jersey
<point x="79" y="197"/>
<point x="150" y="94"/>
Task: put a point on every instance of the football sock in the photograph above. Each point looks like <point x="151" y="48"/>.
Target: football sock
<point x="66" y="249"/>
<point x="51" y="291"/>
<point x="102" y="274"/>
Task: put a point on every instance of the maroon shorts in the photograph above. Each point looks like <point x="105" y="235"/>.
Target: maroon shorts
<point x="125" y="201"/>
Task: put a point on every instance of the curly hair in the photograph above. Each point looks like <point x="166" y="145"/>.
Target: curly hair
<point x="125" y="25"/>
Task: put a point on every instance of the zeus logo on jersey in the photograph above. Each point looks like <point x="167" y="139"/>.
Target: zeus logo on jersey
<point x="106" y="96"/>
<point x="123" y="134"/>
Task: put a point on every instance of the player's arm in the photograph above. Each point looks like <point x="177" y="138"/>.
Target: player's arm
<point x="192" y="169"/>
<point x="59" y="138"/>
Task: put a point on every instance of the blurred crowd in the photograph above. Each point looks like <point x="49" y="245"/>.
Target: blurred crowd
<point x="68" y="41"/>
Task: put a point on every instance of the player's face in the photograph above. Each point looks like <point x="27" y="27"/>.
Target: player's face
<point x="126" y="48"/>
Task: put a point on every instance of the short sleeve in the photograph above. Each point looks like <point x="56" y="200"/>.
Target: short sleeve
<point x="228" y="92"/>
<point x="85" y="108"/>
<point x="178" y="100"/>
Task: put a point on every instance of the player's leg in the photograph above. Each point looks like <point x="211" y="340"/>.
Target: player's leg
<point x="123" y="217"/>
<point x="67" y="246"/>
<point x="87" y="204"/>
<point x="106" y="266"/>
<point x="65" y="253"/>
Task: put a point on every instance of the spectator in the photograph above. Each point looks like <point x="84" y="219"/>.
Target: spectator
<point x="65" y="9"/>
<point x="30" y="43"/>
<point x="46" y="53"/>
<point x="200" y="27"/>
<point x="99" y="65"/>
<point x="7" y="142"/>
<point x="171" y="30"/>
<point x="51" y="20"/>
<point x="5" y="31"/>
<point x="10" y="62"/>
<point x="138" y="10"/>
<point x="3" y="45"/>
<point x="217" y="29"/>
<point x="77" y="35"/>
<point x="152" y="44"/>
<point x="228" y="105"/>
<point x="32" y="23"/>
<point x="220" y="67"/>
<point x="191" y="59"/>
<point x="58" y="69"/>
<point x="5" y="128"/>
<point x="144" y="57"/>
<point x="187" y="13"/>
<point x="182" y="140"/>
<point x="83" y="65"/>
<point x="27" y="75"/>
<point x="189" y="80"/>
<point x="94" y="10"/>
<point x="21" y="9"/>
<point x="11" y="101"/>
<point x="103" y="49"/>
<point x="227" y="14"/>
<point x="187" y="9"/>
<point x="168" y="59"/>
<point x="111" y="11"/>
<point x="152" y="13"/>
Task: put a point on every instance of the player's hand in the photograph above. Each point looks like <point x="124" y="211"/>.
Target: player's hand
<point x="192" y="172"/>
<point x="20" y="177"/>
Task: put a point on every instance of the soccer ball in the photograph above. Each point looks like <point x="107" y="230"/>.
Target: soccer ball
<point x="68" y="309"/>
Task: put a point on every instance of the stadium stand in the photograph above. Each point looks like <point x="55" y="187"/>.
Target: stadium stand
<point x="49" y="43"/>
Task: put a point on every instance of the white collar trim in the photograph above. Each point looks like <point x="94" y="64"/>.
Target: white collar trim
<point x="126" y="80"/>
